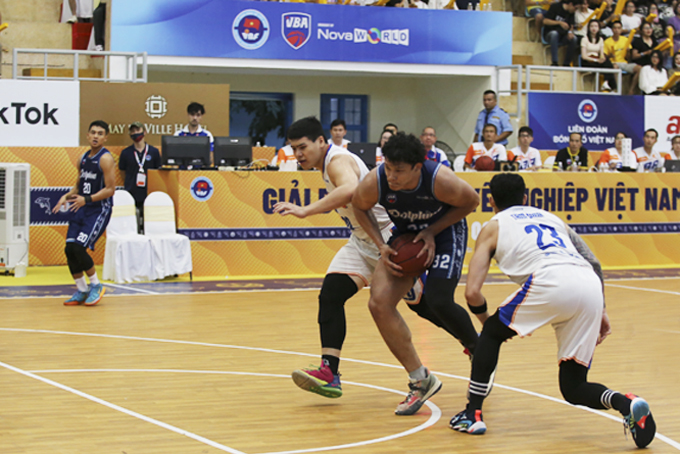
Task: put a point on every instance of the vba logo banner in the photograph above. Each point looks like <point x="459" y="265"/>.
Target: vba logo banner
<point x="35" y="114"/>
<point x="306" y="31"/>
<point x="251" y="29"/>
<point x="296" y="29"/>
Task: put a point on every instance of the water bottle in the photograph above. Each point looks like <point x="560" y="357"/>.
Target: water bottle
<point x="469" y="6"/>
<point x="574" y="166"/>
<point x="559" y="167"/>
<point x="488" y="6"/>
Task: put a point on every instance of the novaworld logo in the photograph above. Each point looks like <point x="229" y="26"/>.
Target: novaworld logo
<point x="397" y="37"/>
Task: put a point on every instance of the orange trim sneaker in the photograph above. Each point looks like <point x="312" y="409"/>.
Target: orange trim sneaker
<point x="319" y="381"/>
<point x="640" y="421"/>
<point x="77" y="298"/>
<point x="95" y="295"/>
<point x="468" y="422"/>
<point x="420" y="391"/>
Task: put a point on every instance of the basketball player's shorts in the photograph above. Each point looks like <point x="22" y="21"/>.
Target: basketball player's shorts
<point x="87" y="225"/>
<point x="450" y="248"/>
<point x="358" y="257"/>
<point x="569" y="297"/>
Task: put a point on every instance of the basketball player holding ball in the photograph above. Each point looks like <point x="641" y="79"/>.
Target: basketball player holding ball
<point x="352" y="267"/>
<point x="426" y="198"/>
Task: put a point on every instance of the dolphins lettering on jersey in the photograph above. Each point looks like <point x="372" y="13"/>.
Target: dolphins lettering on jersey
<point x="85" y="175"/>
<point x="413" y="216"/>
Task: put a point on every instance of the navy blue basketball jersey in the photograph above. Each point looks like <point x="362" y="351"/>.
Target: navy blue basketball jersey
<point x="92" y="177"/>
<point x="415" y="210"/>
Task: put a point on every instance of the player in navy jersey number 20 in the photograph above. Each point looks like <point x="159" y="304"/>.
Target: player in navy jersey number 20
<point x="427" y="198"/>
<point x="90" y="200"/>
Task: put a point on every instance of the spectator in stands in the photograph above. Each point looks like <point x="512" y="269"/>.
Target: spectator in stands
<point x="573" y="158"/>
<point x="592" y="54"/>
<point x="134" y="163"/>
<point x="674" y="22"/>
<point x="581" y="14"/>
<point x="616" y="49"/>
<point x="643" y="45"/>
<point x="675" y="151"/>
<point x="391" y="127"/>
<point x="428" y="138"/>
<point x="653" y="76"/>
<point x="384" y="137"/>
<point x="488" y="147"/>
<point x="658" y="24"/>
<point x="526" y="156"/>
<point x="81" y="10"/>
<point x="493" y="114"/>
<point x="629" y="19"/>
<point x="195" y="112"/>
<point x="606" y="20"/>
<point x="338" y="133"/>
<point x="675" y="68"/>
<point x="99" y="26"/>
<point x="650" y="160"/>
<point x="558" y="25"/>
<point x="537" y="10"/>
<point x="611" y="157"/>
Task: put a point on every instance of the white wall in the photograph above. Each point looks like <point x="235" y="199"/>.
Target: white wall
<point x="449" y="103"/>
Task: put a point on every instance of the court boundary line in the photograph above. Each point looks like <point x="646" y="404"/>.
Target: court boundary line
<point x="661" y="437"/>
<point x="669" y="292"/>
<point x="435" y="415"/>
<point x="124" y="410"/>
<point x="462" y="284"/>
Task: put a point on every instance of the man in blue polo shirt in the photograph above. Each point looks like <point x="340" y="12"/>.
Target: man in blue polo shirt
<point x="492" y="114"/>
<point x="195" y="112"/>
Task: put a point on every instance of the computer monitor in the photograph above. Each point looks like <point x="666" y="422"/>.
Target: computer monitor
<point x="672" y="165"/>
<point x="366" y="151"/>
<point x="186" y="151"/>
<point x="233" y="151"/>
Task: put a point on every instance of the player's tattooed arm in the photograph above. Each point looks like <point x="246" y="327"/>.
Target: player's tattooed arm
<point x="586" y="253"/>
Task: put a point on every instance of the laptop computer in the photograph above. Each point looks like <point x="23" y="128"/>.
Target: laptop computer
<point x="366" y="151"/>
<point x="672" y="165"/>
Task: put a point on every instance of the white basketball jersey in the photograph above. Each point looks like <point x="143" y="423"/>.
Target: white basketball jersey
<point x="346" y="212"/>
<point x="530" y="239"/>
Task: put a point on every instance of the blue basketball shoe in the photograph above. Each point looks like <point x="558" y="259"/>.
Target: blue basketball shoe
<point x="640" y="421"/>
<point x="77" y="298"/>
<point x="95" y="295"/>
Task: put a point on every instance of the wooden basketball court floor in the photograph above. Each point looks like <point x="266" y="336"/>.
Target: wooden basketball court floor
<point x="210" y="372"/>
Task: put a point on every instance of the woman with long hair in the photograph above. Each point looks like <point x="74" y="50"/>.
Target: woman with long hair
<point x="384" y="137"/>
<point x="653" y="76"/>
<point x="592" y="54"/>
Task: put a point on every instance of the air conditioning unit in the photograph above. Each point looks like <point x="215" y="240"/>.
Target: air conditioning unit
<point x="15" y="186"/>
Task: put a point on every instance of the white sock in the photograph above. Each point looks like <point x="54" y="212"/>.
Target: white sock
<point x="81" y="284"/>
<point x="93" y="279"/>
<point x="418" y="374"/>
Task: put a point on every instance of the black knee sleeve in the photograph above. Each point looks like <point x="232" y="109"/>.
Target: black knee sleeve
<point x="438" y="296"/>
<point x="336" y="289"/>
<point x="575" y="387"/>
<point x="77" y="258"/>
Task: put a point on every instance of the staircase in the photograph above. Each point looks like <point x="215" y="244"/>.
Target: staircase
<point x="34" y="24"/>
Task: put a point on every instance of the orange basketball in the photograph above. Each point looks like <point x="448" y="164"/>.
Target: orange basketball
<point x="485" y="163"/>
<point x="407" y="251"/>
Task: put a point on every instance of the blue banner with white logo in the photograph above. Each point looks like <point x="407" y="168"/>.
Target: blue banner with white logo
<point x="553" y="116"/>
<point x="294" y="31"/>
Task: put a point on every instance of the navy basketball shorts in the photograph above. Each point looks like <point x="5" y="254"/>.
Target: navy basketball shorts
<point x="87" y="225"/>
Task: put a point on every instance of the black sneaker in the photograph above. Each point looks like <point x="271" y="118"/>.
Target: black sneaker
<point x="640" y="421"/>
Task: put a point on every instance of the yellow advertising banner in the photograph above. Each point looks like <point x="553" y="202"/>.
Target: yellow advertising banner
<point x="627" y="219"/>
<point x="160" y="107"/>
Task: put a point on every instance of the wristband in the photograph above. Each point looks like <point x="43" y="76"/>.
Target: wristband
<point x="478" y="309"/>
<point x="88" y="198"/>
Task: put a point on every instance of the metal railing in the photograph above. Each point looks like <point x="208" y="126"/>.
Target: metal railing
<point x="574" y="80"/>
<point x="118" y="66"/>
<point x="504" y="85"/>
